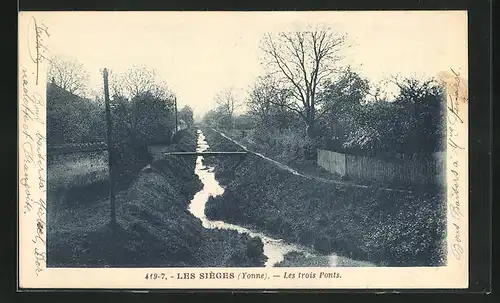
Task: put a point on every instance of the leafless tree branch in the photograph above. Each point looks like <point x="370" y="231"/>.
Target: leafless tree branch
<point x="69" y="74"/>
<point x="303" y="61"/>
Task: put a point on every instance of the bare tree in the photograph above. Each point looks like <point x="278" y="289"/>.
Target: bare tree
<point x="115" y="87"/>
<point x="263" y="95"/>
<point x="69" y="74"/>
<point x="302" y="61"/>
<point x="227" y="103"/>
<point x="115" y="84"/>
<point x="141" y="79"/>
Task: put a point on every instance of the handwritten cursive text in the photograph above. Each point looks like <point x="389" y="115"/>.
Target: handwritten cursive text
<point x="36" y="47"/>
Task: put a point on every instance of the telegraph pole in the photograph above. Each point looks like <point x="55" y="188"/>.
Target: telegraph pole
<point x="176" y="122"/>
<point x="110" y="162"/>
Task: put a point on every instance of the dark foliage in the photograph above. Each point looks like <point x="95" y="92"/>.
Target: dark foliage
<point x="154" y="226"/>
<point x="186" y="114"/>
<point x="73" y="119"/>
<point x="384" y="227"/>
<point x="412" y="123"/>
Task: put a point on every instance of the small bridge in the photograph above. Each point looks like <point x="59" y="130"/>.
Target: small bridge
<point x="207" y="153"/>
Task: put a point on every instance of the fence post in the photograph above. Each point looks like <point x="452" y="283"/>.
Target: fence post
<point x="110" y="164"/>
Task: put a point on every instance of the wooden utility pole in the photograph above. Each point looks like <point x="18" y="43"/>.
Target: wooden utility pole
<point x="110" y="158"/>
<point x="176" y="122"/>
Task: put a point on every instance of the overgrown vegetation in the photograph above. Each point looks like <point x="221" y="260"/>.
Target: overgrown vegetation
<point x="385" y="227"/>
<point x="142" y="113"/>
<point x="308" y="99"/>
<point x="154" y="226"/>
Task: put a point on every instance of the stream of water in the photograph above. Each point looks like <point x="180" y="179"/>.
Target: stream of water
<point x="274" y="249"/>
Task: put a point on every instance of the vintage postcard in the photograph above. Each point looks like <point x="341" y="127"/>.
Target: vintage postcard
<point x="243" y="150"/>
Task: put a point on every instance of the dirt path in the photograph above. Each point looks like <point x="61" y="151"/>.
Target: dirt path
<point x="295" y="172"/>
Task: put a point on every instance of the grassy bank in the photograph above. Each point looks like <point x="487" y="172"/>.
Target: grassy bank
<point x="154" y="225"/>
<point x="382" y="227"/>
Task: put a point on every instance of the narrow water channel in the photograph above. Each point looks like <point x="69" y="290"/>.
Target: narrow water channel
<point x="274" y="249"/>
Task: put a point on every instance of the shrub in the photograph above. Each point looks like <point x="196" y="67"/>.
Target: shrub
<point x="322" y="244"/>
<point x="287" y="144"/>
<point x="131" y="154"/>
<point x="400" y="229"/>
<point x="255" y="251"/>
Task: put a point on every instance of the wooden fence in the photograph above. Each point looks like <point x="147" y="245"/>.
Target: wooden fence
<point x="415" y="171"/>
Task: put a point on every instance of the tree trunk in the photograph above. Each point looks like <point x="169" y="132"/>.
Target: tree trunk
<point x="312" y="129"/>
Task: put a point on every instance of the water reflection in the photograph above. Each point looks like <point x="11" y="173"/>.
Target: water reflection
<point x="274" y="249"/>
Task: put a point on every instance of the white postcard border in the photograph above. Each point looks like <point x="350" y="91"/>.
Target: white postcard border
<point x="34" y="36"/>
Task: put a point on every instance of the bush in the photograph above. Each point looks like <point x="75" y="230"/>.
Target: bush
<point x="255" y="251"/>
<point x="322" y="244"/>
<point x="131" y="156"/>
<point x="154" y="226"/>
<point x="287" y="144"/>
<point x="272" y="223"/>
<point x="400" y="229"/>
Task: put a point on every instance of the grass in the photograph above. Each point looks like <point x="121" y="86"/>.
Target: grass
<point x="297" y="259"/>
<point x="76" y="170"/>
<point x="381" y="227"/>
<point x="291" y="153"/>
<point x="154" y="226"/>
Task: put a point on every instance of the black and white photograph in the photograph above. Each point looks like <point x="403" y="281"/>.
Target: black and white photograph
<point x="251" y="141"/>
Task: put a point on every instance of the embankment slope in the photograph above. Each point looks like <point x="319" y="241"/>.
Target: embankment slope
<point x="383" y="227"/>
<point x="154" y="226"/>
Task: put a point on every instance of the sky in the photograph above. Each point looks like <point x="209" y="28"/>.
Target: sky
<point x="201" y="53"/>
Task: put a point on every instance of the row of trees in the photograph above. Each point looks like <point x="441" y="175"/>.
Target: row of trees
<point x="307" y="90"/>
<point x="142" y="110"/>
